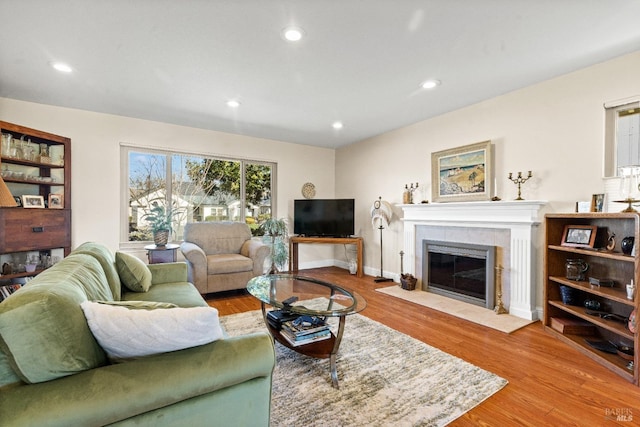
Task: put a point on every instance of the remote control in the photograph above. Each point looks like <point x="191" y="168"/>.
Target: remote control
<point x="290" y="300"/>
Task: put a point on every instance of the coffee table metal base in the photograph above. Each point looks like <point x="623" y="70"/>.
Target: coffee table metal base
<point x="321" y="349"/>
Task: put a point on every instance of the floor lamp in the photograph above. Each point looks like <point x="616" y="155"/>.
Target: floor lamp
<point x="380" y="217"/>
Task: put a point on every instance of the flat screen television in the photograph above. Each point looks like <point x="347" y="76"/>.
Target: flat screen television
<point x="324" y="217"/>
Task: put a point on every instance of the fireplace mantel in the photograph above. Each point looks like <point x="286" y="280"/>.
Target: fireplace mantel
<point x="520" y="217"/>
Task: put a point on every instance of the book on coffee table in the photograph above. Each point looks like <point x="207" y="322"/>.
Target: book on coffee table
<point x="298" y="341"/>
<point x="277" y="317"/>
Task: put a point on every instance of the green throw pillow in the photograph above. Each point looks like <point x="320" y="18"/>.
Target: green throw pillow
<point x="139" y="305"/>
<point x="134" y="273"/>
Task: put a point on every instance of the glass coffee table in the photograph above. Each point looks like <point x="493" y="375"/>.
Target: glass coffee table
<point x="312" y="298"/>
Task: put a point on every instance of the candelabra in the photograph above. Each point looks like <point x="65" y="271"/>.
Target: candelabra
<point x="407" y="197"/>
<point x="519" y="180"/>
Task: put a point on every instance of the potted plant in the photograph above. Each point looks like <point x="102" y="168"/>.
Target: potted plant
<point x="275" y="235"/>
<point x="160" y="221"/>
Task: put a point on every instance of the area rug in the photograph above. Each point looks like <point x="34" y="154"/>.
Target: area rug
<point x="386" y="378"/>
<point x="473" y="313"/>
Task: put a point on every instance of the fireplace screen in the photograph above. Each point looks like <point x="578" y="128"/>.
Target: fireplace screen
<point x="460" y="270"/>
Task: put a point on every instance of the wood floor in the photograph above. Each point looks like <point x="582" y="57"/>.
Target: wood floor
<point x="550" y="384"/>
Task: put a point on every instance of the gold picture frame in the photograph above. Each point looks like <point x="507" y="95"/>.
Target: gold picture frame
<point x="597" y="203"/>
<point x="462" y="174"/>
<point x="56" y="201"/>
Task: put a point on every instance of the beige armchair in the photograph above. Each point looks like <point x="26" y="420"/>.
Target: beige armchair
<point x="222" y="256"/>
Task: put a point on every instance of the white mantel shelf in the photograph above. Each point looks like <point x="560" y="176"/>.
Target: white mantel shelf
<point x="520" y="217"/>
<point x="517" y="212"/>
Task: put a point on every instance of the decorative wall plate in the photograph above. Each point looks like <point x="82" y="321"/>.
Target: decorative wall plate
<point x="308" y="190"/>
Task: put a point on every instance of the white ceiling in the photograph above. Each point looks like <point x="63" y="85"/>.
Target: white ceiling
<point x="361" y="61"/>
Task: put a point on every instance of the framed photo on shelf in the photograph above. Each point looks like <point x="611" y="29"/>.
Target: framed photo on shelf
<point x="579" y="236"/>
<point x="597" y="203"/>
<point x="462" y="174"/>
<point x="56" y="201"/>
<point x="29" y="201"/>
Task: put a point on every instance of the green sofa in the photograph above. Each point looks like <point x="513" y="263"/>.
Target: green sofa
<point x="54" y="373"/>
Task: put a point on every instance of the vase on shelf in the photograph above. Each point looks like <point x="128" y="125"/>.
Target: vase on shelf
<point x="627" y="245"/>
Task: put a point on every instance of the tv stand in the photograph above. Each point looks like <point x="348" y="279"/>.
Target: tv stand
<point x="296" y="240"/>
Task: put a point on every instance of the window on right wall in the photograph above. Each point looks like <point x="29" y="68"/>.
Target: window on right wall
<point x="622" y="134"/>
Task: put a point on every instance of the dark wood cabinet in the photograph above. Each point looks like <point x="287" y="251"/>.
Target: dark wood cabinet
<point x="34" y="163"/>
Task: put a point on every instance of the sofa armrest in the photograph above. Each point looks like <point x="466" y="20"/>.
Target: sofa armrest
<point x="168" y="272"/>
<point x="258" y="252"/>
<point x="196" y="265"/>
<point x="112" y="393"/>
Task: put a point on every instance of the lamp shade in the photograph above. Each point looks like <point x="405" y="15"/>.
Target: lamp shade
<point x="6" y="198"/>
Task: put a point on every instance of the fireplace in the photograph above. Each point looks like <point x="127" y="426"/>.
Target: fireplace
<point x="462" y="271"/>
<point x="511" y="226"/>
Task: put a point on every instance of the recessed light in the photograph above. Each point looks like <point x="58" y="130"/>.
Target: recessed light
<point x="430" y="84"/>
<point x="337" y="125"/>
<point x="233" y="103"/>
<point x="292" y="34"/>
<point x="62" y="67"/>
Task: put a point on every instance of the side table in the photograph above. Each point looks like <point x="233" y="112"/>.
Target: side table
<point x="294" y="241"/>
<point x="161" y="254"/>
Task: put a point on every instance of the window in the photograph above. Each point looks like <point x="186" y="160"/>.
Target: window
<point x="622" y="134"/>
<point x="196" y="187"/>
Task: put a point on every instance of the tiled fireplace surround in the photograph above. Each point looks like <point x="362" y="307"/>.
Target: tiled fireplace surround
<point x="512" y="226"/>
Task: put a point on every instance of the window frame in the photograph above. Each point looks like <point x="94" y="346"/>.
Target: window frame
<point x="611" y="113"/>
<point x="126" y="149"/>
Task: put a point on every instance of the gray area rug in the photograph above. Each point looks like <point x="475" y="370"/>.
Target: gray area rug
<point x="386" y="379"/>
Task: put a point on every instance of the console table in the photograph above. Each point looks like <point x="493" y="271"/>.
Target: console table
<point x="296" y="240"/>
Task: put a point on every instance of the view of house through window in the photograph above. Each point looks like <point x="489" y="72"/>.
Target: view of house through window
<point x="622" y="135"/>
<point x="628" y="137"/>
<point x="196" y="188"/>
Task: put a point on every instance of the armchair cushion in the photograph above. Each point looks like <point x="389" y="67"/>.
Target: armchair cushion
<point x="225" y="237"/>
<point x="228" y="263"/>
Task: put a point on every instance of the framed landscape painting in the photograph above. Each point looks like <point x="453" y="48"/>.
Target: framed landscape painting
<point x="462" y="174"/>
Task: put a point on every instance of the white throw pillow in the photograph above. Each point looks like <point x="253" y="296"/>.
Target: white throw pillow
<point x="124" y="333"/>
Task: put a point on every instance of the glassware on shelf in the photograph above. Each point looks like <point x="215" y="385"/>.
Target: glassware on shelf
<point x="44" y="154"/>
<point x="576" y="269"/>
<point x="7" y="143"/>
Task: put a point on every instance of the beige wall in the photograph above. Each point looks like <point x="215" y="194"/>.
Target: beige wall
<point x="555" y="129"/>
<point x="95" y="142"/>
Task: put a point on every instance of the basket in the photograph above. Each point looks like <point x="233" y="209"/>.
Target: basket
<point x="408" y="282"/>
